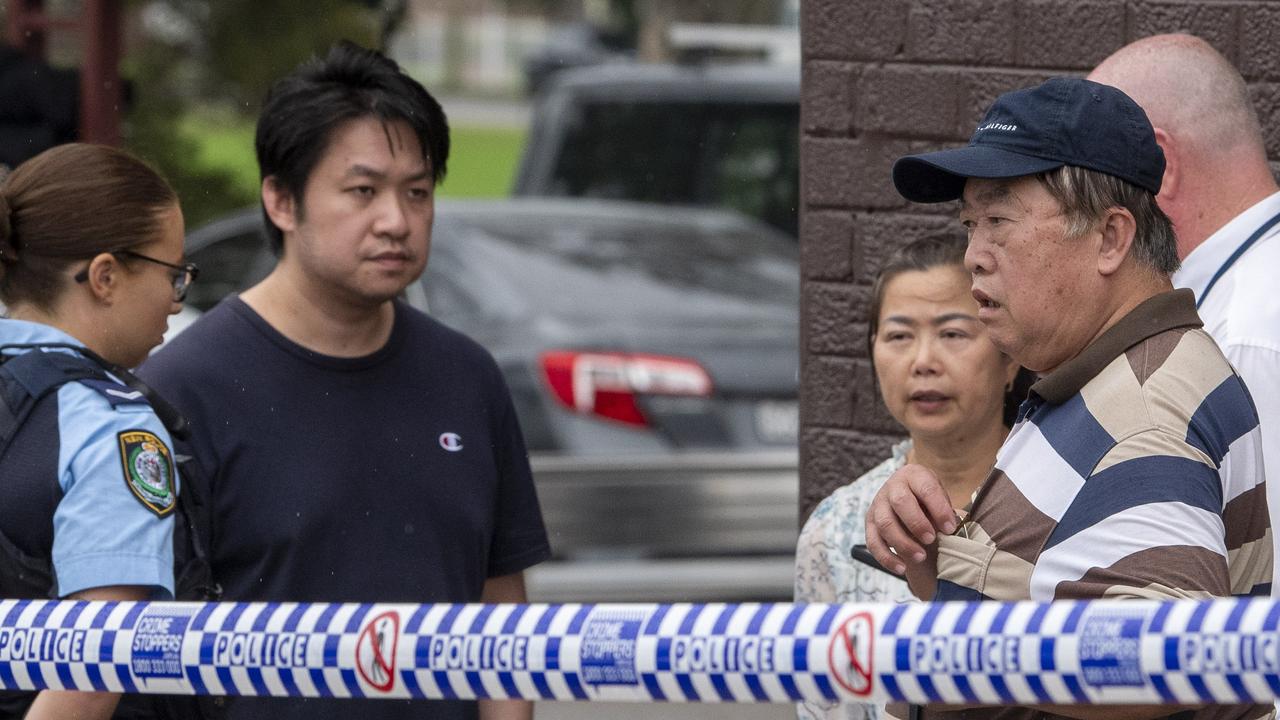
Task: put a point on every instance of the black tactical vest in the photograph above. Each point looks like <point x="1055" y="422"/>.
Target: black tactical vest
<point x="28" y="385"/>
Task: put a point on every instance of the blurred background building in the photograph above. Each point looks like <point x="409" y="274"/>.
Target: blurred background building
<point x="507" y="46"/>
<point x="179" y="81"/>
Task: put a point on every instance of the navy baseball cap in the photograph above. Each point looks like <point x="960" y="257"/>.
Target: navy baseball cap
<point x="1065" y="121"/>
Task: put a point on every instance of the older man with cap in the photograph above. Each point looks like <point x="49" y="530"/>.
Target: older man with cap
<point x="1135" y="467"/>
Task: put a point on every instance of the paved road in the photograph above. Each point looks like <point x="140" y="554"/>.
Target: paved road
<point x="671" y="711"/>
<point x="485" y="112"/>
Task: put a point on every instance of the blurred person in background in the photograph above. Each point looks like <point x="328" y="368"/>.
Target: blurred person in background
<point x="953" y="391"/>
<point x="356" y="450"/>
<point x="90" y="270"/>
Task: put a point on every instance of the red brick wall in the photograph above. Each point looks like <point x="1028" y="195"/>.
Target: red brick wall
<point x="886" y="77"/>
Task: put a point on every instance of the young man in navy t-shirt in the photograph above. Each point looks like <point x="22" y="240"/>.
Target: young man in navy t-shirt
<point x="355" y="450"/>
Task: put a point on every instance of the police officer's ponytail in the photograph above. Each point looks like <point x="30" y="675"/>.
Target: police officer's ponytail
<point x="8" y="254"/>
<point x="67" y="205"/>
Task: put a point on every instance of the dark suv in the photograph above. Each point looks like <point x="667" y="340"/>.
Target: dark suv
<point x="721" y="136"/>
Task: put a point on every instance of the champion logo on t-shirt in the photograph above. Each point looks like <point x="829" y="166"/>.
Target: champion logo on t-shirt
<point x="451" y="441"/>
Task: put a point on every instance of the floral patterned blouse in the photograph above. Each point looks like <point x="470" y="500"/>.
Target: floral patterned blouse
<point x="826" y="572"/>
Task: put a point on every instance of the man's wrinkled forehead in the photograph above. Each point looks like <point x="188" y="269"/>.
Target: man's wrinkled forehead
<point x="980" y="192"/>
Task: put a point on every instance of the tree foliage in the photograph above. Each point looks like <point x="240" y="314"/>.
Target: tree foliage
<point x="221" y="56"/>
<point x="250" y="43"/>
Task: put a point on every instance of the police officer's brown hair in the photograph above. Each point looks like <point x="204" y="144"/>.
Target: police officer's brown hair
<point x="67" y="205"/>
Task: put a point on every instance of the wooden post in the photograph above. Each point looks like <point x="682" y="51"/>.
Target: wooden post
<point x="100" y="96"/>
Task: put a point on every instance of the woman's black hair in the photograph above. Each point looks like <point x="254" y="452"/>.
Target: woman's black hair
<point x="926" y="254"/>
<point x="303" y="109"/>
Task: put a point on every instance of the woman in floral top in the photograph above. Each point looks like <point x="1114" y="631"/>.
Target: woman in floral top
<point x="955" y="394"/>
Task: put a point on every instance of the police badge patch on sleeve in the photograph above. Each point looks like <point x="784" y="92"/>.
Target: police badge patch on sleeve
<point x="148" y="470"/>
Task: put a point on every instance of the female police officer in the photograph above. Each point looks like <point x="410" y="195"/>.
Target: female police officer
<point x="90" y="270"/>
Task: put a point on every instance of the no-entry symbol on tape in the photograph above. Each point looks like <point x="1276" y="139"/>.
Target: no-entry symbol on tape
<point x="849" y="655"/>
<point x="376" y="651"/>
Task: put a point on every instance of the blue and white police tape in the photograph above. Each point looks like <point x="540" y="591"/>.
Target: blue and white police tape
<point x="1192" y="652"/>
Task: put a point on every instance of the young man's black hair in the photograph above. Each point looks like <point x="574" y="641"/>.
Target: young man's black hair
<point x="303" y="108"/>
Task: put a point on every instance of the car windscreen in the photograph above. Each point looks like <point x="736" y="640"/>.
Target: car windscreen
<point x="743" y="156"/>
<point x="564" y="262"/>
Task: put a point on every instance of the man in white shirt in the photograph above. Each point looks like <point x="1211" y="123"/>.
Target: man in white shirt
<point x="1225" y="206"/>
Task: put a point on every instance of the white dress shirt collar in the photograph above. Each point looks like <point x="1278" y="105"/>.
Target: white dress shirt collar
<point x="1199" y="267"/>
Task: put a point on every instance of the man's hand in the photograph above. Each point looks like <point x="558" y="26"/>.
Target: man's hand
<point x="903" y="524"/>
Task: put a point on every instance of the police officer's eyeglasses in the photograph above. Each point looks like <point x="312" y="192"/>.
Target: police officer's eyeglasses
<point x="181" y="275"/>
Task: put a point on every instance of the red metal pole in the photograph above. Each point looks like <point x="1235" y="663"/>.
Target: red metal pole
<point x="26" y="26"/>
<point x="100" y="96"/>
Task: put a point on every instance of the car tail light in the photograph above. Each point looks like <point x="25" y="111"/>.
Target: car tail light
<point x="606" y="384"/>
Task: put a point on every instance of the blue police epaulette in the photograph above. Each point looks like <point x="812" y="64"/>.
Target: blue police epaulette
<point x="115" y="393"/>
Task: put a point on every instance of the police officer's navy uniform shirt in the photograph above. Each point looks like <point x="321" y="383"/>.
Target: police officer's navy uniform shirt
<point x="400" y="476"/>
<point x="112" y="464"/>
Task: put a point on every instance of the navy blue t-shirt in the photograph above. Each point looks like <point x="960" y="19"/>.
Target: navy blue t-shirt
<point x="400" y="476"/>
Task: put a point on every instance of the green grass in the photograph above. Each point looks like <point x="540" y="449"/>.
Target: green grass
<point x="482" y="160"/>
